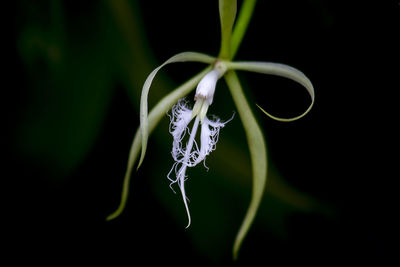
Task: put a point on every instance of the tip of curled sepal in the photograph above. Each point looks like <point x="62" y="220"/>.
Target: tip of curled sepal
<point x="284" y="119"/>
<point x="144" y="132"/>
<point x="114" y="215"/>
<point x="140" y="160"/>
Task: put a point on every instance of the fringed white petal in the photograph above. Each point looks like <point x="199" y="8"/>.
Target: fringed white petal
<point x="180" y="118"/>
<point x="191" y="154"/>
<point x="209" y="137"/>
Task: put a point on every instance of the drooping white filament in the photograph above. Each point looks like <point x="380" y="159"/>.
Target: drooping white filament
<point x="190" y="155"/>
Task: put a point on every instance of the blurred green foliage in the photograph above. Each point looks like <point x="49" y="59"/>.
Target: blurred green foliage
<point x="73" y="57"/>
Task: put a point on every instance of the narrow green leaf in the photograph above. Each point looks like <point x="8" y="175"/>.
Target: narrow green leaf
<point x="279" y="70"/>
<point x="258" y="154"/>
<point x="144" y="124"/>
<point x="153" y="119"/>
<point x="227" y="14"/>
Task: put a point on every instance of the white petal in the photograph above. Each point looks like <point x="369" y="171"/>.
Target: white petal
<point x="180" y="118"/>
<point x="209" y="137"/>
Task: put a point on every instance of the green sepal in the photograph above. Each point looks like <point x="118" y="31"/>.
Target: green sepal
<point x="279" y="70"/>
<point x="258" y="154"/>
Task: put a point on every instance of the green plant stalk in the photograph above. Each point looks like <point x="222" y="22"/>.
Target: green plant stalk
<point x="258" y="154"/>
<point x="246" y="12"/>
<point x="227" y="14"/>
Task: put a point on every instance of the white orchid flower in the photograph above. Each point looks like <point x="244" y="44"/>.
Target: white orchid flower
<point x="182" y="115"/>
<point x="191" y="154"/>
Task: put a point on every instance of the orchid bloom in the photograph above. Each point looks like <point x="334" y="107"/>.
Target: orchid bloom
<point x="191" y="154"/>
<point x="181" y="117"/>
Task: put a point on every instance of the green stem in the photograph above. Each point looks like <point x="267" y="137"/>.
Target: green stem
<point x="246" y="11"/>
<point x="230" y="42"/>
<point x="227" y="14"/>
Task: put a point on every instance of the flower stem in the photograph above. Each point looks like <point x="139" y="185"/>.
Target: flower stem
<point x="246" y="11"/>
<point x="230" y="42"/>
<point x="227" y="14"/>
